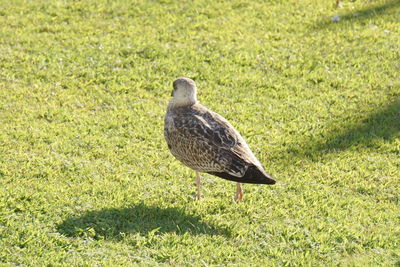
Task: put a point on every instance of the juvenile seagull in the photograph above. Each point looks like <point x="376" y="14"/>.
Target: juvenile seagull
<point x="206" y="142"/>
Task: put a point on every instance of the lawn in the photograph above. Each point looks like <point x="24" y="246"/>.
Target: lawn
<point x="86" y="178"/>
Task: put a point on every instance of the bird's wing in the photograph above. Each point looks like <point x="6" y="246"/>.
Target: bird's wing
<point x="227" y="148"/>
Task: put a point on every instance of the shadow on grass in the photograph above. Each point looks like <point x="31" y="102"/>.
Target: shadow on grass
<point x="115" y="223"/>
<point x="360" y="15"/>
<point x="383" y="124"/>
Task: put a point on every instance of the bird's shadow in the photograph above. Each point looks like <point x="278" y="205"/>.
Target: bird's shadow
<point x="114" y="223"/>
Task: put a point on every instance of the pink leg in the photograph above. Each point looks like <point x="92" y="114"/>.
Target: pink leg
<point x="239" y="193"/>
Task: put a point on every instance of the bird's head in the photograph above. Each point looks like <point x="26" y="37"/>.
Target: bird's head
<point x="184" y="92"/>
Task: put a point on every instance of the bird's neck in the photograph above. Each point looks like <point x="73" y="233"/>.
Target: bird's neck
<point x="181" y="101"/>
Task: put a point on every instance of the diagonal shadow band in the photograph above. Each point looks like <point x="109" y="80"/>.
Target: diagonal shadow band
<point x="360" y="15"/>
<point x="381" y="125"/>
<point x="114" y="223"/>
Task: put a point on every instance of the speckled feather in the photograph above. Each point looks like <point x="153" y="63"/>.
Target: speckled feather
<point x="206" y="142"/>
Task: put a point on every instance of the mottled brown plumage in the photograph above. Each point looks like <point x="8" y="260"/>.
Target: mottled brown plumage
<point x="206" y="142"/>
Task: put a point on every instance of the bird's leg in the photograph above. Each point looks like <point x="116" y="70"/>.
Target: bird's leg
<point x="239" y="193"/>
<point x="198" y="185"/>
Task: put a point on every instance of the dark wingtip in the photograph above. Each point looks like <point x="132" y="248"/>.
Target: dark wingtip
<point x="259" y="175"/>
<point x="253" y="175"/>
<point x="268" y="178"/>
<point x="270" y="181"/>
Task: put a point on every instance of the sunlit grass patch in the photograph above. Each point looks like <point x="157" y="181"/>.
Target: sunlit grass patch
<point x="86" y="177"/>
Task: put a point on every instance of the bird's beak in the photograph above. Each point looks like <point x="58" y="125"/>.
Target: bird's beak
<point x="172" y="93"/>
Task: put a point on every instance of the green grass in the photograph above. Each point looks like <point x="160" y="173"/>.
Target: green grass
<point x="86" y="177"/>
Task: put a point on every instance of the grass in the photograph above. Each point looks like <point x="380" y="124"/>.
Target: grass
<point x="86" y="177"/>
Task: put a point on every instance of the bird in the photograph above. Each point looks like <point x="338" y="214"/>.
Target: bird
<point x="207" y="143"/>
